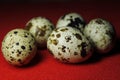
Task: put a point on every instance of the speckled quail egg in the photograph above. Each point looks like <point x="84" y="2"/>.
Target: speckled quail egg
<point x="69" y="45"/>
<point x="19" y="47"/>
<point x="101" y="34"/>
<point x="41" y="28"/>
<point x="71" y="20"/>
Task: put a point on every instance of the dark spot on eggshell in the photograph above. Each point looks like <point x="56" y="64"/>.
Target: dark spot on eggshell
<point x="23" y="47"/>
<point x="67" y="38"/>
<point x="64" y="29"/>
<point x="30" y="48"/>
<point x="20" y="61"/>
<point x="59" y="54"/>
<point x="58" y="35"/>
<point x="25" y="36"/>
<point x="11" y="58"/>
<point x="76" y="22"/>
<point x="17" y="43"/>
<point x="111" y="34"/>
<point x="52" y="35"/>
<point x="12" y="52"/>
<point x="55" y="42"/>
<point x="7" y="47"/>
<point x="78" y="46"/>
<point x="63" y="48"/>
<point x="83" y="51"/>
<point x="99" y="21"/>
<point x="56" y="30"/>
<point x="11" y="46"/>
<point x="75" y="53"/>
<point x="71" y="42"/>
<point x="11" y="35"/>
<point x="68" y="49"/>
<point x="19" y="52"/>
<point x="15" y="32"/>
<point x="40" y="32"/>
<point x="96" y="31"/>
<point x="71" y="17"/>
<point x="52" y="27"/>
<point x="78" y="36"/>
<point x="18" y="55"/>
<point x="64" y="59"/>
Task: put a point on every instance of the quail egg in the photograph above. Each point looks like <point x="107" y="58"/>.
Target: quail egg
<point x="71" y="20"/>
<point x="101" y="34"/>
<point x="41" y="28"/>
<point x="69" y="45"/>
<point x="19" y="47"/>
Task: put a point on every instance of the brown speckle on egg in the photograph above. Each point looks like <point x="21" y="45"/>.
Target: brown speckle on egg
<point x="99" y="21"/>
<point x="12" y="52"/>
<point x="20" y="61"/>
<point x="52" y="35"/>
<point x="11" y="58"/>
<point x="72" y="46"/>
<point x="59" y="54"/>
<point x="40" y="32"/>
<point x="68" y="38"/>
<point x="40" y="27"/>
<point x="83" y="52"/>
<point x="23" y="47"/>
<point x="17" y="43"/>
<point x="30" y="48"/>
<point x="15" y="32"/>
<point x="64" y="59"/>
<point x="64" y="29"/>
<point x="25" y="36"/>
<point x="78" y="36"/>
<point x="58" y="35"/>
<point x="63" y="48"/>
<point x="75" y="53"/>
<point x="55" y="41"/>
<point x="7" y="47"/>
<point x="19" y="52"/>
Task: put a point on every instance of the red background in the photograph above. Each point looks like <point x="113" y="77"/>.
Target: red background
<point x="44" y="66"/>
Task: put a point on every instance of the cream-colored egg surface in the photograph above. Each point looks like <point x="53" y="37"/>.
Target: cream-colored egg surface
<point x="19" y="47"/>
<point x="69" y="45"/>
<point x="101" y="34"/>
<point x="72" y="19"/>
<point x="41" y="28"/>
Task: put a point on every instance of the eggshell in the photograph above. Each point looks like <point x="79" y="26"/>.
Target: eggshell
<point x="18" y="47"/>
<point x="101" y="34"/>
<point x="69" y="45"/>
<point x="40" y="28"/>
<point x="72" y="19"/>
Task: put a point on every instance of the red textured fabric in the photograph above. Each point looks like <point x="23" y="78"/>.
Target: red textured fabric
<point x="44" y="66"/>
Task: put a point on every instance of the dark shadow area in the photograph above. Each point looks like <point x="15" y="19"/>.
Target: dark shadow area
<point x="115" y="50"/>
<point x="38" y="58"/>
<point x="96" y="57"/>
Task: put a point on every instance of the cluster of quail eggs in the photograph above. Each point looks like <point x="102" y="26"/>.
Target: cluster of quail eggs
<point x="74" y="41"/>
<point x="19" y="46"/>
<point x="71" y="41"/>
